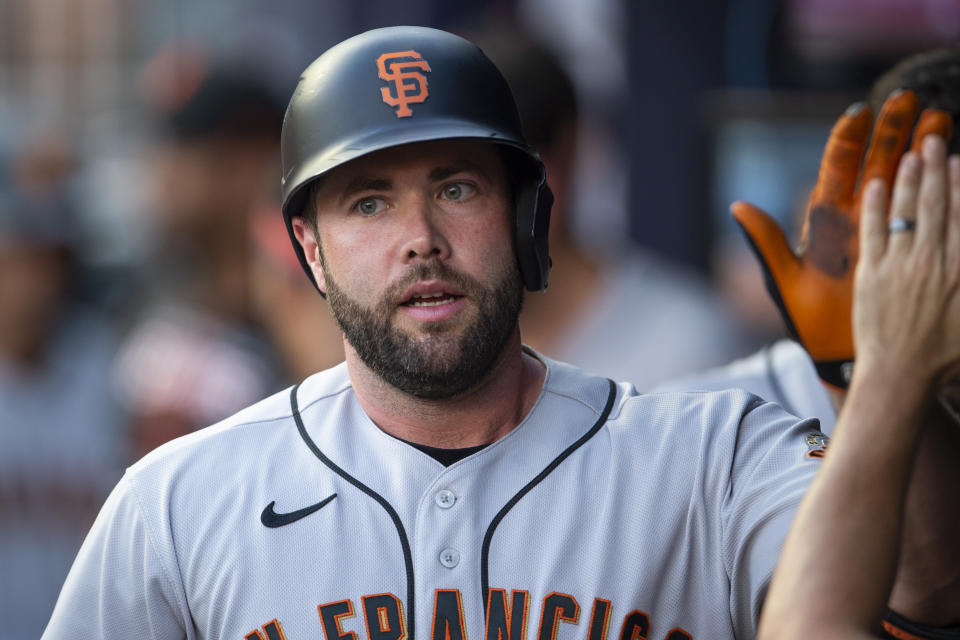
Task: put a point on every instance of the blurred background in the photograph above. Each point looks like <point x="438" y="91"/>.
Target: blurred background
<point x="147" y="288"/>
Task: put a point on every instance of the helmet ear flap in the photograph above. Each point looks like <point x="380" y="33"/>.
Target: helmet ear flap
<point x="534" y="201"/>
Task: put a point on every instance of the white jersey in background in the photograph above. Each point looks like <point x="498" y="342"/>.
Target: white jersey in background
<point x="604" y="515"/>
<point x="649" y="321"/>
<point x="781" y="372"/>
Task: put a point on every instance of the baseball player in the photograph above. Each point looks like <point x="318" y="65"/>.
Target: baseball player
<point x="786" y="372"/>
<point x="842" y="555"/>
<point x="809" y="379"/>
<point x="445" y="482"/>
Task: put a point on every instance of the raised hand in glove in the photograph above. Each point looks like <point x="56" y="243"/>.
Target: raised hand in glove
<point x="813" y="287"/>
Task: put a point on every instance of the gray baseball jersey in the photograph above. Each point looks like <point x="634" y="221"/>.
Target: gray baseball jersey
<point x="604" y="515"/>
<point x="781" y="372"/>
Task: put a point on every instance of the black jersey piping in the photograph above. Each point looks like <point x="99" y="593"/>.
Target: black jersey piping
<point x="488" y="536"/>
<point x="404" y="543"/>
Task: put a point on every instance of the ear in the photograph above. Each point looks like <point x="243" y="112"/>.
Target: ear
<point x="305" y="235"/>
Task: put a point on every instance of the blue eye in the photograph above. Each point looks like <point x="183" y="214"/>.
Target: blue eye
<point x="370" y="206"/>
<point x="458" y="191"/>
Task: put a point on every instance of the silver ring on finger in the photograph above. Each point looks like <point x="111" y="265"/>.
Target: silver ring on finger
<point x="901" y="225"/>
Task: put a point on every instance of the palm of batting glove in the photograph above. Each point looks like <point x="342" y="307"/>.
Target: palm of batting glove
<point x="813" y="287"/>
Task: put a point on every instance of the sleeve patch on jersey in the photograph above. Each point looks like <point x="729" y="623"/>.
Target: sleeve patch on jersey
<point x="816" y="444"/>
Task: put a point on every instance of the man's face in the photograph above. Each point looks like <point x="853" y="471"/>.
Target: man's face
<point x="413" y="246"/>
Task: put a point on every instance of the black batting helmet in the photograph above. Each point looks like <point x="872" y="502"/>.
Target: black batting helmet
<point x="399" y="85"/>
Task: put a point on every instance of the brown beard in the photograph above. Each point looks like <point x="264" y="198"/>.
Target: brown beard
<point x="440" y="365"/>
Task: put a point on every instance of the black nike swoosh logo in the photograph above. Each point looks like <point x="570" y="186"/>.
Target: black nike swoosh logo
<point x="272" y="519"/>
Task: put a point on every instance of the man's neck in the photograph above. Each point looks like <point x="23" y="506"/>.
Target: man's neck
<point x="480" y="416"/>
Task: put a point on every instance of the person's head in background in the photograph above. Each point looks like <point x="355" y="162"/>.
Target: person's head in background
<point x="597" y="285"/>
<point x="934" y="76"/>
<point x="215" y="159"/>
<point x="37" y="249"/>
<point x="547" y="101"/>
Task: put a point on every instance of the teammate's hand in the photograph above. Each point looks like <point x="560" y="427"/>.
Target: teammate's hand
<point x="813" y="287"/>
<point x="906" y="311"/>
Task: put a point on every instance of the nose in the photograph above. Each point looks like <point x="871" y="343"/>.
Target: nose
<point x="423" y="238"/>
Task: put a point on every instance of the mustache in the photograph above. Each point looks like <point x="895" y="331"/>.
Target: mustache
<point x="430" y="271"/>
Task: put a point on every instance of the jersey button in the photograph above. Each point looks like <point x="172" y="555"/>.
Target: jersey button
<point x="444" y="499"/>
<point x="449" y="558"/>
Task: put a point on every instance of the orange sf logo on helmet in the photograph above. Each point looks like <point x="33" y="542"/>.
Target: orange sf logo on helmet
<point x="405" y="70"/>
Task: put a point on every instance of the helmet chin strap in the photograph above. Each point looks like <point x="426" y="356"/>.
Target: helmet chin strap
<point x="948" y="408"/>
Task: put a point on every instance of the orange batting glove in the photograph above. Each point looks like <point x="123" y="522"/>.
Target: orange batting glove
<point x="813" y="287"/>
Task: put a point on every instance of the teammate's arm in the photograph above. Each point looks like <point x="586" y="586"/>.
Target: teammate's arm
<point x="840" y="559"/>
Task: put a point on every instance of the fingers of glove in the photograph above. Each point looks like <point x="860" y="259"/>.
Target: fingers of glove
<point x="873" y="222"/>
<point x="840" y="166"/>
<point x="890" y="136"/>
<point x="904" y="200"/>
<point x="932" y="121"/>
<point x="768" y="242"/>
<point x="932" y="201"/>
